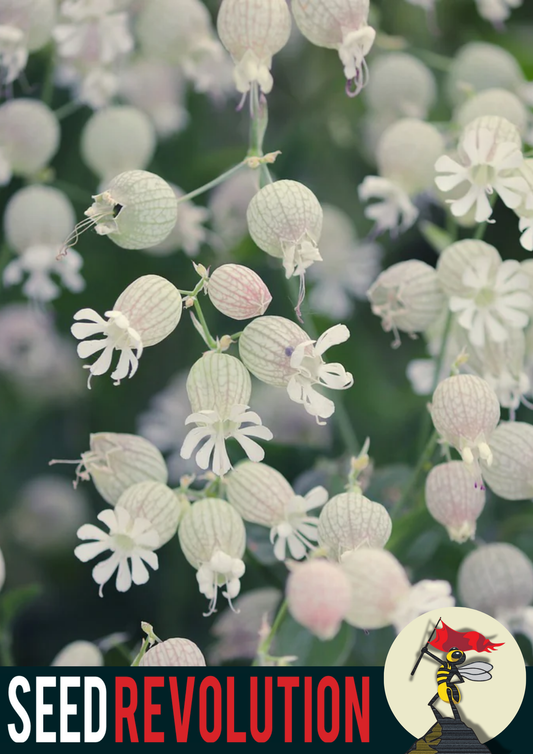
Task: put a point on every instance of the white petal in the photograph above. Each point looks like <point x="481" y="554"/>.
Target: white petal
<point x="123" y="581"/>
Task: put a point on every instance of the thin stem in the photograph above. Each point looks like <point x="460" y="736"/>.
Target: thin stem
<point x="265" y="645"/>
<point x="68" y="109"/>
<point x="211" y="342"/>
<point x="480" y="231"/>
<point x="47" y="92"/>
<point x="144" y="647"/>
<point x="423" y="467"/>
<point x="212" y="184"/>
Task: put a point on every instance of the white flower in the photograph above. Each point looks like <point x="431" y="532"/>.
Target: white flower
<point x="525" y="226"/>
<point x="13" y="53"/>
<point x="497" y="298"/>
<point x="215" y="429"/>
<point x="119" y="335"/>
<point x="128" y="539"/>
<point x="221" y="564"/>
<point x="39" y="262"/>
<point x="489" y="168"/>
<point x="395" y="212"/>
<point x="298" y="530"/>
<point x="311" y="370"/>
<point x="95" y="36"/>
<point x="496" y="11"/>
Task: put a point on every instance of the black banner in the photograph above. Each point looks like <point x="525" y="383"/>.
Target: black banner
<point x="202" y="706"/>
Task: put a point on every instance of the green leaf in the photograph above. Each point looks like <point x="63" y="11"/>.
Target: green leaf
<point x="13" y="602"/>
<point x="293" y="639"/>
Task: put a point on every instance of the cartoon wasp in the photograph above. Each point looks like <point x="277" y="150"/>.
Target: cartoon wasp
<point x="456" y="644"/>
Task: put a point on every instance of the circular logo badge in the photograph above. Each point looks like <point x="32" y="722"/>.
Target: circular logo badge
<point x="452" y="673"/>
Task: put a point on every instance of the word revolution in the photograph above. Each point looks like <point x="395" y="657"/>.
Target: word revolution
<point x="168" y="708"/>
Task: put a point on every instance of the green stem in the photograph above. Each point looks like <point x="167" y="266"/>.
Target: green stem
<point x="480" y="231"/>
<point x="68" y="109"/>
<point x="48" y="84"/>
<point x="144" y="647"/>
<point x="5" y="256"/>
<point x="213" y="183"/>
<point x="211" y="342"/>
<point x="422" y="468"/>
<point x="265" y="645"/>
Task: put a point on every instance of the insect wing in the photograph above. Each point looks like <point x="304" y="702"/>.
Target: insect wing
<point x="477" y="671"/>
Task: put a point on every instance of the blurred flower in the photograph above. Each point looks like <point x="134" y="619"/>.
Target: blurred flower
<point x="81" y="654"/>
<point x="32" y="355"/>
<point x="237" y="632"/>
<point x="228" y="204"/>
<point x="489" y="297"/>
<point x="497" y="11"/>
<point x="47" y="514"/>
<point x="189" y="232"/>
<point x="13" y="53"/>
<point x="394" y="213"/>
<point x="129" y="538"/>
<point x="39" y="263"/>
<point x="401" y="85"/>
<point x="318" y="597"/>
<point x="348" y="268"/>
<point x="158" y="89"/>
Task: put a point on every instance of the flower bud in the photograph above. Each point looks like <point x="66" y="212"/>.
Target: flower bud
<point x="401" y="85"/>
<point x="285" y="220"/>
<point x="37" y="215"/>
<point x="496" y="102"/>
<point x="479" y="66"/>
<point x="83" y="654"/>
<point x="238" y="292"/>
<point x="511" y="473"/>
<point x="266" y="346"/>
<point x="155" y="502"/>
<point x="117" y="139"/>
<point x="218" y="381"/>
<point x="29" y="135"/>
<point x="382" y="594"/>
<point x="319" y="596"/>
<point x="407" y="152"/>
<point x="252" y="33"/>
<point x="259" y="493"/>
<point x="496" y="577"/>
<point x="137" y="210"/>
<point x="465" y="411"/>
<point x="117" y="461"/>
<point x="454" y="499"/>
<point x="153" y="306"/>
<point x="173" y="653"/>
<point x="210" y="525"/>
<point x="350" y="520"/>
<point x="342" y="27"/>
<point x="407" y="297"/>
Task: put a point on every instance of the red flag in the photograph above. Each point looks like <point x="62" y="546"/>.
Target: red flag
<point x="447" y="638"/>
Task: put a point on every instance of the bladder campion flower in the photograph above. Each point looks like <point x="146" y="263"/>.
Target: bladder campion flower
<point x="143" y="315"/>
<point x="173" y="653"/>
<point x="454" y="500"/>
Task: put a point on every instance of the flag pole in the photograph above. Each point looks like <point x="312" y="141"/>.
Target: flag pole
<point x="422" y="650"/>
